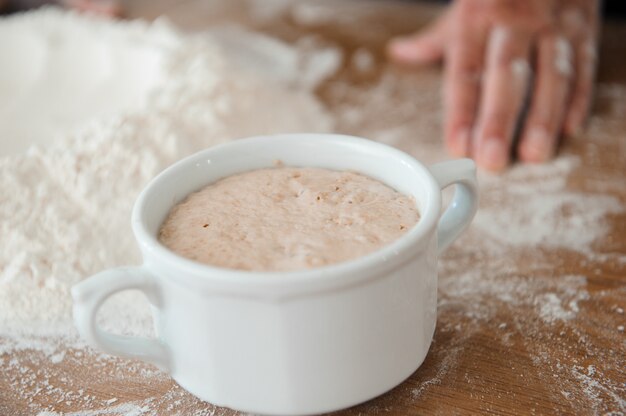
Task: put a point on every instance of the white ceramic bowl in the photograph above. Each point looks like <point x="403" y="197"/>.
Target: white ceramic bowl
<point x="288" y="343"/>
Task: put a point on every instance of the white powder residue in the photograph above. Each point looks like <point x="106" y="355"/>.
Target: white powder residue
<point x="527" y="278"/>
<point x="126" y="409"/>
<point x="563" y="57"/>
<point x="509" y="277"/>
<point x="312" y="14"/>
<point x="555" y="301"/>
<point x="57" y="357"/>
<point x="318" y="65"/>
<point x="595" y="389"/>
<point x="540" y="210"/>
<point x="305" y="66"/>
<point x="363" y="60"/>
<point x="53" y="229"/>
<point x="61" y="71"/>
<point x="566" y="219"/>
<point x="551" y="307"/>
<point x="318" y="13"/>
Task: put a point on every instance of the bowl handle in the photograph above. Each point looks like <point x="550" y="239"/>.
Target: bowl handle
<point x="89" y="295"/>
<point x="459" y="214"/>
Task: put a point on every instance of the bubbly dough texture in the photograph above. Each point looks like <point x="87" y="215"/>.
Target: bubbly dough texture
<point x="283" y="219"/>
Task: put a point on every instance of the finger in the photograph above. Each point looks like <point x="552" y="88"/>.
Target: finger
<point x="586" y="58"/>
<point x="462" y="77"/>
<point x="423" y="47"/>
<point x="504" y="91"/>
<point x="543" y="125"/>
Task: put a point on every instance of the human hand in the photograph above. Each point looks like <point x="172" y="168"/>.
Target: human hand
<point x="491" y="50"/>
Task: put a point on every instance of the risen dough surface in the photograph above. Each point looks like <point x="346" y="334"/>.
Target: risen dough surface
<point x="287" y="219"/>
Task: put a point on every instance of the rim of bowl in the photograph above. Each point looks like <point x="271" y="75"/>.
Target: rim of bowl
<point x="348" y="271"/>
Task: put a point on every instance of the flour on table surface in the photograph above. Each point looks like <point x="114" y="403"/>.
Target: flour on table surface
<point x="505" y="278"/>
<point x="53" y="228"/>
<point x="507" y="272"/>
<point x="305" y="64"/>
<point x="61" y="71"/>
<point x="545" y="213"/>
<point x="363" y="60"/>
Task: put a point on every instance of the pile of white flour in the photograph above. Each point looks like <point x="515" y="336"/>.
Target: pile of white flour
<point x="114" y="103"/>
<point x="58" y="71"/>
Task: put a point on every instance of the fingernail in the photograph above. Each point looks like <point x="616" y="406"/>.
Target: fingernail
<point x="493" y="154"/>
<point x="538" y="145"/>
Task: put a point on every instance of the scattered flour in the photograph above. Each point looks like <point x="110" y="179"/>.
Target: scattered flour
<point x="504" y="279"/>
<point x="542" y="212"/>
<point x="551" y="308"/>
<point x="363" y="60"/>
<point x="60" y="71"/>
<point x="303" y="65"/>
<point x="53" y="229"/>
<point x="507" y="278"/>
<point x="312" y="14"/>
<point x="127" y="409"/>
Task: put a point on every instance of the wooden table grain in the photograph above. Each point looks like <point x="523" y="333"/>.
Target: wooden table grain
<point x="503" y="344"/>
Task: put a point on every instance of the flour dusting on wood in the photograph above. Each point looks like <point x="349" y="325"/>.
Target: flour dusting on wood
<point x="507" y="278"/>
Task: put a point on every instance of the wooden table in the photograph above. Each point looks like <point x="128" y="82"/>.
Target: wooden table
<point x="530" y="321"/>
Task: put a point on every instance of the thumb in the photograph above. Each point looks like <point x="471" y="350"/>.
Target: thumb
<point x="421" y="48"/>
